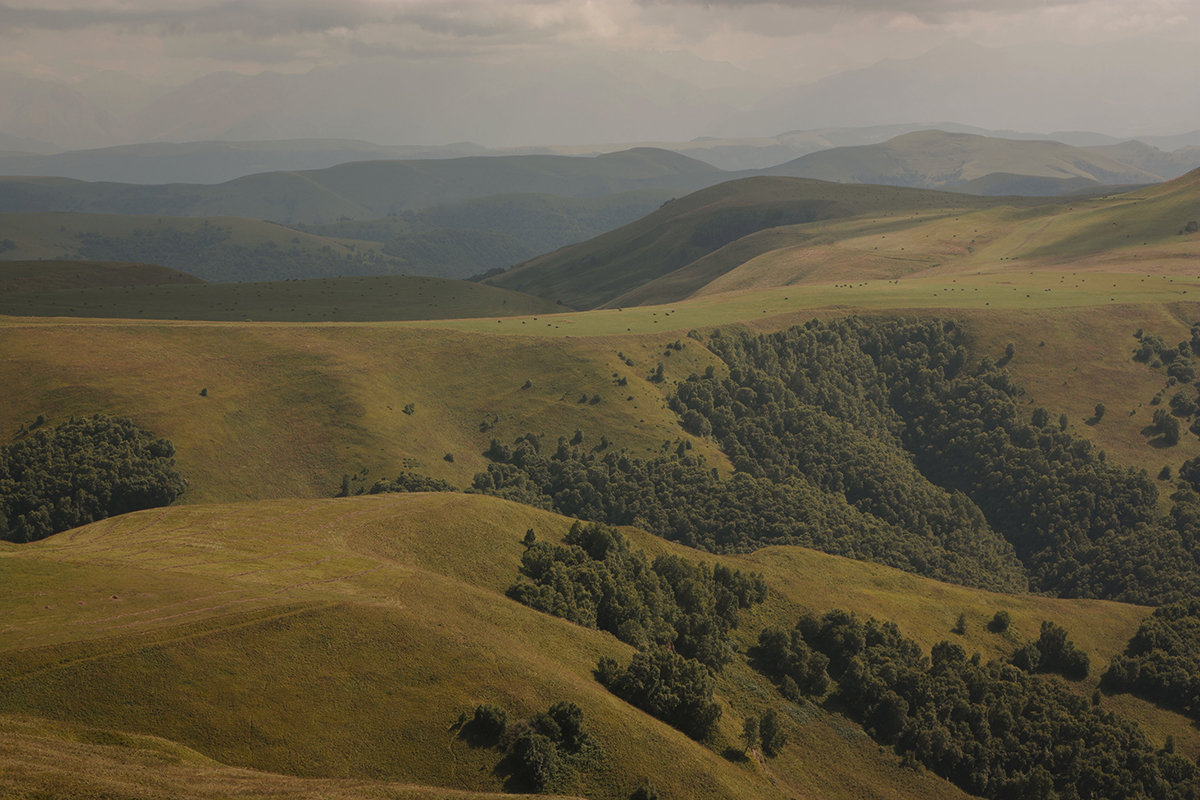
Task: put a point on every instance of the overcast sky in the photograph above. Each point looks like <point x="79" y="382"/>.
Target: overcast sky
<point x="1121" y="66"/>
<point x="170" y="41"/>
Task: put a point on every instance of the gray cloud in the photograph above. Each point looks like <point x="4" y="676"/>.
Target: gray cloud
<point x="258" y="17"/>
<point x="928" y="10"/>
<point x="457" y="18"/>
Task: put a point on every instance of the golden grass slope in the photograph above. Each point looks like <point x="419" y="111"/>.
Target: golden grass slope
<point x="341" y="639"/>
<point x="43" y="759"/>
<point x="289" y="409"/>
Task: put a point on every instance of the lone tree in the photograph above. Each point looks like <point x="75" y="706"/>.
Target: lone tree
<point x="750" y="733"/>
<point x="769" y="734"/>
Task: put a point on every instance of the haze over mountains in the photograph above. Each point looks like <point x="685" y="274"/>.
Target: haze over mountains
<point x="628" y="96"/>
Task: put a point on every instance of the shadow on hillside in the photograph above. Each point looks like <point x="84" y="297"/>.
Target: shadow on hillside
<point x="476" y="736"/>
<point x="735" y="755"/>
<point x="1159" y="441"/>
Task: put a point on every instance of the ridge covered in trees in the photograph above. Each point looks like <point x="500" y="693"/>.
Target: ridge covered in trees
<point x="80" y="471"/>
<point x="990" y="728"/>
<point x="676" y="613"/>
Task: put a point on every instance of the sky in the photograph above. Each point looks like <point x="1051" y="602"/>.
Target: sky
<point x="169" y="41"/>
<point x="713" y="43"/>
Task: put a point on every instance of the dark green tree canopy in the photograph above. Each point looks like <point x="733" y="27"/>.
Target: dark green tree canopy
<point x="81" y="471"/>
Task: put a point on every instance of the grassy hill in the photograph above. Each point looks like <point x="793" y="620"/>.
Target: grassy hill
<point x="368" y="189"/>
<point x="214" y="249"/>
<point x="759" y="233"/>
<point x="18" y="277"/>
<point x="935" y="159"/>
<point x="684" y="231"/>
<point x="361" y="299"/>
<point x="209" y="626"/>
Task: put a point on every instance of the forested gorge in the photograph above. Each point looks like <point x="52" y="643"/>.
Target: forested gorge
<point x="879" y="440"/>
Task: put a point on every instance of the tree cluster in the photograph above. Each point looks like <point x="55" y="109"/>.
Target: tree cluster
<point x="411" y="482"/>
<point x="1053" y="652"/>
<point x="990" y="728"/>
<point x="1162" y="661"/>
<point x="666" y="685"/>
<point x="595" y="579"/>
<point x="1178" y="361"/>
<point x="541" y="753"/>
<point x="81" y="471"/>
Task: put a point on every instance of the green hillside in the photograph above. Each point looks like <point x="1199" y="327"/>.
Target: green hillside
<point x="760" y="233"/>
<point x="684" y="231"/>
<point x="214" y="249"/>
<point x="977" y="389"/>
<point x="368" y="189"/>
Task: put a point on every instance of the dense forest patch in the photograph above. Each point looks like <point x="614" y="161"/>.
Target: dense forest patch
<point x="990" y="728"/>
<point x="1162" y="661"/>
<point x="594" y="579"/>
<point x="80" y="471"/>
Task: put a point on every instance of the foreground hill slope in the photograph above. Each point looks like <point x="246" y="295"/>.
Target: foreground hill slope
<point x="212" y="626"/>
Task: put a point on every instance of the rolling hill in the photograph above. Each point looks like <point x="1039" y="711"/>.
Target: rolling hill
<point x="20" y="277"/>
<point x="700" y="225"/>
<point x="367" y="189"/>
<point x="960" y="161"/>
<point x="361" y="299"/>
<point x="760" y="233"/>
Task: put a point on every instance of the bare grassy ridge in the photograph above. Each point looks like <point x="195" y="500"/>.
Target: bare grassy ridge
<point x="341" y="638"/>
<point x="20" y="277"/>
<point x="353" y="299"/>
